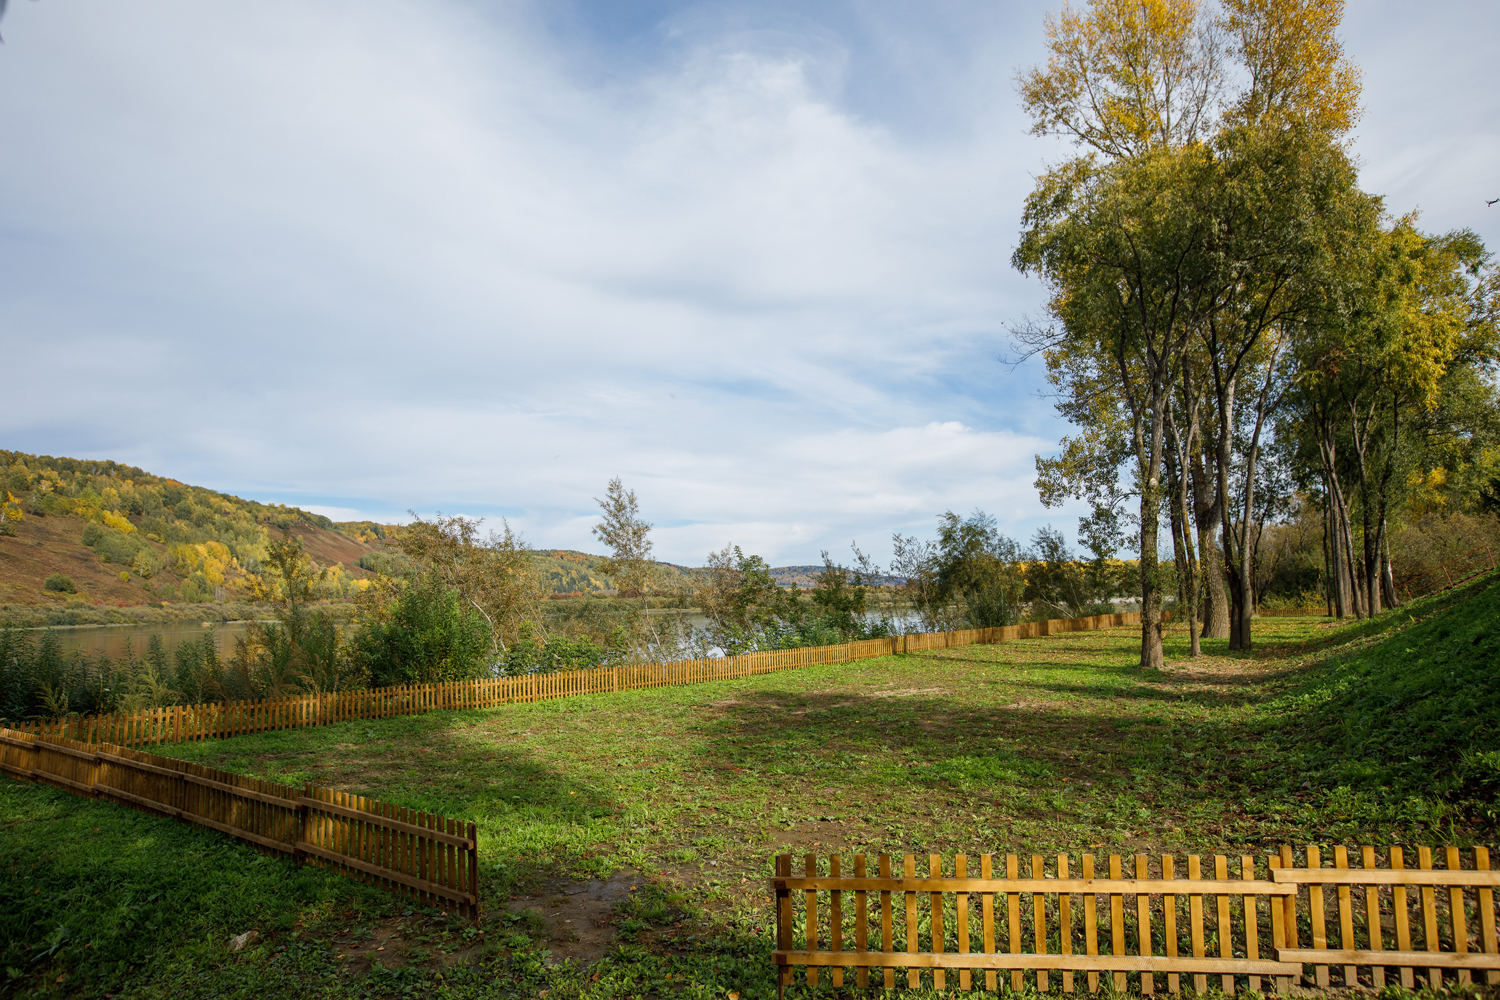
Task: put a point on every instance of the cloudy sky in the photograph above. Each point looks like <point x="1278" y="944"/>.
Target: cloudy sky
<point x="366" y="256"/>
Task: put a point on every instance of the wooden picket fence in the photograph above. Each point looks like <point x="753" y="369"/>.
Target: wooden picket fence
<point x="1249" y="921"/>
<point x="432" y="859"/>
<point x="218" y="720"/>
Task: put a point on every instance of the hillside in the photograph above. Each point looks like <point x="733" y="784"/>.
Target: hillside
<point x="1412" y="712"/>
<point x="567" y="571"/>
<point x="122" y="536"/>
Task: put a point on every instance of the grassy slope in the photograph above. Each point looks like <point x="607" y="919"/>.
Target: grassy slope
<point x="1041" y="745"/>
<point x="1409" y="718"/>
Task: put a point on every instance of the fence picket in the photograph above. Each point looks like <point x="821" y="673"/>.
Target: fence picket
<point x="1143" y="923"/>
<point x="1429" y="915"/>
<point x="1013" y="921"/>
<point x="913" y="976"/>
<point x="887" y="934"/>
<point x="1236" y="924"/>
<point x="1456" y="914"/>
<point x="1039" y="919"/>
<point x="935" y="870"/>
<point x="961" y="921"/>
<point x="1249" y="907"/>
<point x="1169" y="922"/>
<point x="1091" y="921"/>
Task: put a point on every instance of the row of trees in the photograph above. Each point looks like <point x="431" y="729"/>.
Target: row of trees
<point x="1234" y="323"/>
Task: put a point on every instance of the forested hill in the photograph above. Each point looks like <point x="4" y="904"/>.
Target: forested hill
<point x="113" y="534"/>
<point x="116" y="535"/>
<point x="566" y="571"/>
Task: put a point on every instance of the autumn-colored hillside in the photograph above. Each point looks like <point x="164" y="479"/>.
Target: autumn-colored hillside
<point x="106" y="534"/>
<point x="566" y="571"/>
<point x="109" y="535"/>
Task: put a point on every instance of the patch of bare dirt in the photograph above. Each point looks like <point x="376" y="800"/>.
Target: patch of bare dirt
<point x="395" y="944"/>
<point x="579" y="916"/>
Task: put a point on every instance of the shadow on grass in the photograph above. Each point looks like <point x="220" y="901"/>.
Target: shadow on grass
<point x="98" y="890"/>
<point x="929" y="739"/>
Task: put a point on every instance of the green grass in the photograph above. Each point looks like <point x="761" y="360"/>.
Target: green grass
<point x="1042" y="745"/>
<point x="1413" y="721"/>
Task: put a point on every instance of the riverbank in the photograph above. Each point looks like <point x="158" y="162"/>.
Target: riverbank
<point x="81" y="613"/>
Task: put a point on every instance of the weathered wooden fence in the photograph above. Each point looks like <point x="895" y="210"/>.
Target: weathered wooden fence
<point x="431" y="859"/>
<point x="1449" y="574"/>
<point x="222" y="719"/>
<point x="1252" y="922"/>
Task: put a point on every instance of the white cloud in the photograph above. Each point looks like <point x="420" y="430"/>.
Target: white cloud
<point x="390" y="255"/>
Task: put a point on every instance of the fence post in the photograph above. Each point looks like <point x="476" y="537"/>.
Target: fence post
<point x="304" y="818"/>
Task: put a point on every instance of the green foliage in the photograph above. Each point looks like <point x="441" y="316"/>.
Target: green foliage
<point x="422" y="633"/>
<point x="395" y="565"/>
<point x="115" y="498"/>
<point x="1058" y="586"/>
<point x="841" y="593"/>
<point x="111" y="895"/>
<point x="978" y="571"/>
<point x="38" y="681"/>
<point x="61" y="583"/>
<point x="531" y="655"/>
<point x="628" y="536"/>
<point x="749" y="611"/>
<point x="1417" y="714"/>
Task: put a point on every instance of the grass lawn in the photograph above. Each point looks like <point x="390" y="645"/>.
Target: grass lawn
<point x="684" y="794"/>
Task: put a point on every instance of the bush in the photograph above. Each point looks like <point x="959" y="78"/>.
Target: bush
<point x="422" y="635"/>
<point x="392" y="564"/>
<point x="61" y="583"/>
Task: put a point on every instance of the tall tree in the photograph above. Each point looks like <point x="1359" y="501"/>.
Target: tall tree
<point x="629" y="537"/>
<point x="1119" y="246"/>
<point x="495" y="575"/>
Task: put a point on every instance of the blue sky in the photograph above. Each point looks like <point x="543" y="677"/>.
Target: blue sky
<point x="753" y="258"/>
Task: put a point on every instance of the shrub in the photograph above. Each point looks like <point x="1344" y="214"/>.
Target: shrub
<point x="61" y="583"/>
<point x="422" y="635"/>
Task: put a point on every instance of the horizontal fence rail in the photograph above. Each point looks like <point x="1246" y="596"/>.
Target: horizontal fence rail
<point x="1139" y="923"/>
<point x="218" y="720"/>
<point x="1449" y="574"/>
<point x="432" y="859"/>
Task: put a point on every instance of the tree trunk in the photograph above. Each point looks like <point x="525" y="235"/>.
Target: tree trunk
<point x="1351" y="559"/>
<point x="1221" y="491"/>
<point x="1210" y="556"/>
<point x="1327" y="564"/>
<point x="1152" y="655"/>
<point x="1388" y="579"/>
<point x="1245" y="607"/>
<point x="1340" y="540"/>
<point x="1187" y="574"/>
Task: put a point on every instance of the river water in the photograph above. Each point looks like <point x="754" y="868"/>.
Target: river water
<point x="111" y="640"/>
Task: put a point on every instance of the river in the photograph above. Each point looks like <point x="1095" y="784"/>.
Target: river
<point x="111" y="640"/>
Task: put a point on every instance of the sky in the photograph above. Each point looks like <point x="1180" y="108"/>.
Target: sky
<point x="753" y="258"/>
